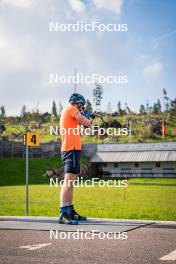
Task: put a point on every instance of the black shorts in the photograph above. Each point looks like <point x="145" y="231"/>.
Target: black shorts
<point x="71" y="161"/>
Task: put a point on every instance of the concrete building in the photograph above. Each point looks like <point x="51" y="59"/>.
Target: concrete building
<point x="136" y="159"/>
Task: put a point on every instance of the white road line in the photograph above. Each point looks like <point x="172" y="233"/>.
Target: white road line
<point x="34" y="247"/>
<point x="170" y="256"/>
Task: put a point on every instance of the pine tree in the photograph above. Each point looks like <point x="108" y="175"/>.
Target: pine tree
<point x="97" y="94"/>
<point x="119" y="109"/>
<point x="157" y="107"/>
<point x="23" y="111"/>
<point x="142" y="110"/>
<point x="54" y="110"/>
<point x="60" y="108"/>
<point x="166" y="101"/>
<point x="173" y="107"/>
<point x="127" y="109"/>
<point x="3" y="113"/>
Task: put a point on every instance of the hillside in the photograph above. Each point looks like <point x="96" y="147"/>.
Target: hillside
<point x="142" y="128"/>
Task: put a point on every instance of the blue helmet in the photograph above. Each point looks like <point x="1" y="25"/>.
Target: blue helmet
<point x="77" y="98"/>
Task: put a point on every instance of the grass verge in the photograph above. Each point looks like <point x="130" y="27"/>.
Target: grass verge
<point x="141" y="201"/>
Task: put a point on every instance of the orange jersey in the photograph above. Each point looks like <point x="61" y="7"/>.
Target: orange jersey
<point x="69" y="140"/>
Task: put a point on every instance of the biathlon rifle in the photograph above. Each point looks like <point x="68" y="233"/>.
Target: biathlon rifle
<point x="91" y="115"/>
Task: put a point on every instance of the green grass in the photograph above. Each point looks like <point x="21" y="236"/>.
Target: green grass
<point x="13" y="170"/>
<point x="17" y="128"/>
<point x="144" y="198"/>
<point x="47" y="138"/>
<point x="141" y="202"/>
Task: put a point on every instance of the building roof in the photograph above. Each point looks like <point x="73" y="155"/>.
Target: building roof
<point x="137" y="146"/>
<point x="134" y="156"/>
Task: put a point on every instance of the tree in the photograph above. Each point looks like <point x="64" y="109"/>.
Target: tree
<point x="45" y="117"/>
<point x="142" y="110"/>
<point x="173" y="104"/>
<point x="97" y="94"/>
<point x="157" y="107"/>
<point x="54" y="110"/>
<point x="150" y="109"/>
<point x="166" y="101"/>
<point x="127" y="109"/>
<point x="23" y="111"/>
<point x="88" y="106"/>
<point x="119" y="109"/>
<point x="147" y="107"/>
<point x="3" y="113"/>
<point x="60" y="108"/>
<point x="173" y="107"/>
<point x="37" y="107"/>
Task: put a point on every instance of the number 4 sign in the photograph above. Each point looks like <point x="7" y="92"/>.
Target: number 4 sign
<point x="31" y="139"/>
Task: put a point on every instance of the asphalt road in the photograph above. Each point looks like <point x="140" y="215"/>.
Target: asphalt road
<point x="145" y="245"/>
